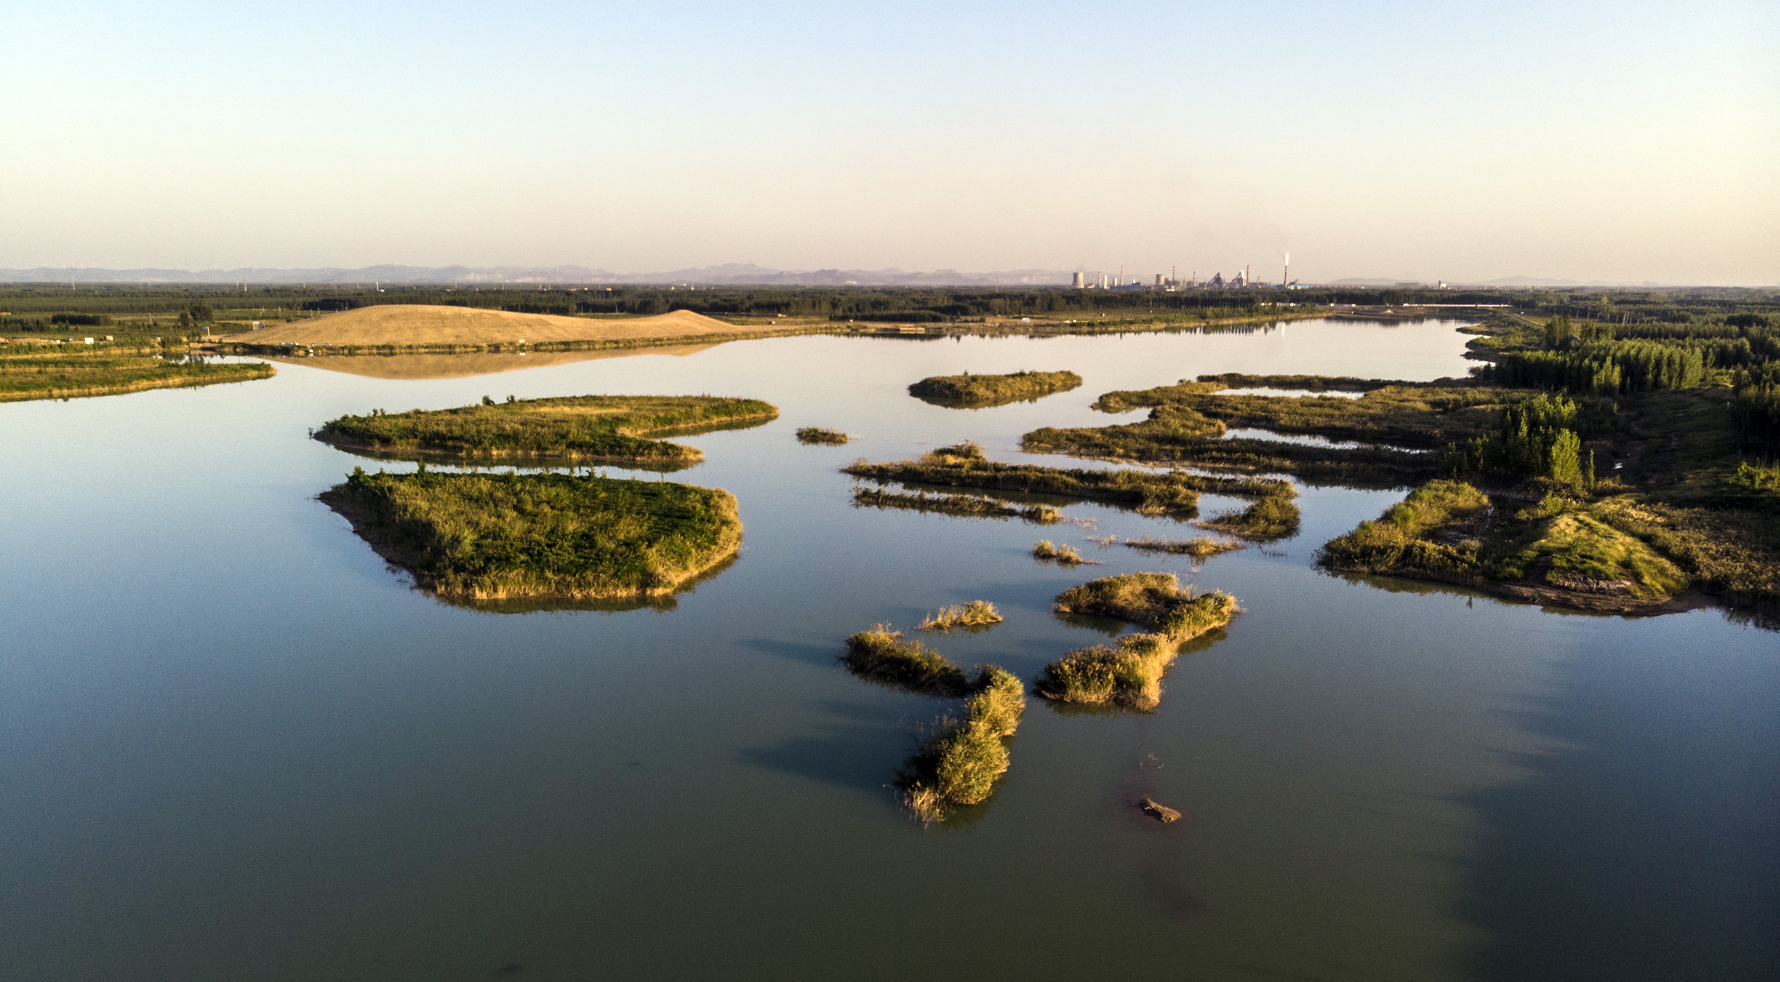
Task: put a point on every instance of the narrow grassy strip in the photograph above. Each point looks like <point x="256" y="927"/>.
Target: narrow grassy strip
<point x="881" y="655"/>
<point x="1171" y="493"/>
<point x="818" y="436"/>
<point x="956" y="504"/>
<point x="976" y="615"/>
<point x="1153" y="442"/>
<point x="969" y="390"/>
<point x="961" y="765"/>
<point x="35" y="376"/>
<point x="1267" y="520"/>
<point x="1201" y="547"/>
<point x="1128" y="673"/>
<point x="476" y="537"/>
<point x="1408" y="415"/>
<point x="1320" y="383"/>
<point x="606" y="428"/>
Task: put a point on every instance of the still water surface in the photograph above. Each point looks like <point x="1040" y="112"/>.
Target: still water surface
<point x="235" y="745"/>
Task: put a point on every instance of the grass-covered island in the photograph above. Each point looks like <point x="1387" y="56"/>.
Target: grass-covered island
<point x="817" y="436"/>
<point x="1128" y="673"/>
<point x="60" y="372"/>
<point x="1149" y="492"/>
<point x="969" y="391"/>
<point x="961" y="762"/>
<point x="619" y="429"/>
<point x="492" y="537"/>
<point x="1637" y="476"/>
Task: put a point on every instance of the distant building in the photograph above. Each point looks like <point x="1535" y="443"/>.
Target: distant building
<point x="1079" y="282"/>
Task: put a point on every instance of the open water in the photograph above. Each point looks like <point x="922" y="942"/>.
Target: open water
<point x="235" y="745"/>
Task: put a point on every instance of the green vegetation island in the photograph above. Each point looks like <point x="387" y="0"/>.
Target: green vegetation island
<point x="1128" y="673"/>
<point x="498" y="537"/>
<point x="71" y="372"/>
<point x="817" y="436"/>
<point x="1632" y="472"/>
<point x="969" y="391"/>
<point x="597" y="428"/>
<point x="1173" y="493"/>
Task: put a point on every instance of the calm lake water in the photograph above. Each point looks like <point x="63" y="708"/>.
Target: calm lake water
<point x="235" y="745"/>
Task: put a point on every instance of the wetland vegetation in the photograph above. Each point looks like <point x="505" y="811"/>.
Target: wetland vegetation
<point x="817" y="436"/>
<point x="603" y="428"/>
<point x="968" y="505"/>
<point x="1064" y="555"/>
<point x="979" y="391"/>
<point x="494" y="537"/>
<point x="70" y="372"/>
<point x="1200" y="548"/>
<point x="1148" y="492"/>
<point x="978" y="615"/>
<point x="1128" y="673"/>
<point x="961" y="762"/>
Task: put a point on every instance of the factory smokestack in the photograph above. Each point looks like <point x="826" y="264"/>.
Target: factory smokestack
<point x="1077" y="282"/>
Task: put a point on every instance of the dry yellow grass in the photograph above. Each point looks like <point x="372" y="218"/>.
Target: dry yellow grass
<point x="419" y="325"/>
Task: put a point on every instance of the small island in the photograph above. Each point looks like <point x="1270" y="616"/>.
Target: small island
<point x="618" y="429"/>
<point x="969" y="391"/>
<point x="1128" y="673"/>
<point x="498" y="537"/>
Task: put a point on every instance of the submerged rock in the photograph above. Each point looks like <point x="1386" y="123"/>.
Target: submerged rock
<point x="1157" y="810"/>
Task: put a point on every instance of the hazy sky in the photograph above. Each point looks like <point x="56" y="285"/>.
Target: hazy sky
<point x="1621" y="141"/>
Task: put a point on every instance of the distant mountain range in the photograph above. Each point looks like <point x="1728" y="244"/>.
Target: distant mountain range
<point x="732" y="274"/>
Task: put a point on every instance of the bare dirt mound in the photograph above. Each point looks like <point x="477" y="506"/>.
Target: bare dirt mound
<point x="418" y="325"/>
<point x="418" y="366"/>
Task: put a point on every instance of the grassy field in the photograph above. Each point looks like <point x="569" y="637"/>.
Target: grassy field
<point x="976" y="391"/>
<point x="480" y="537"/>
<point x="36" y="374"/>
<point x="1157" y="493"/>
<point x="605" y="428"/>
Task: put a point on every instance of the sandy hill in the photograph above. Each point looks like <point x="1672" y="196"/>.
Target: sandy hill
<point x="415" y="325"/>
<point x="416" y="366"/>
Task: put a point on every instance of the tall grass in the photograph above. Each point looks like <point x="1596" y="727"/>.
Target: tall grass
<point x="881" y="655"/>
<point x="961" y="764"/>
<point x="504" y="536"/>
<point x="978" y="614"/>
<point x="1266" y="520"/>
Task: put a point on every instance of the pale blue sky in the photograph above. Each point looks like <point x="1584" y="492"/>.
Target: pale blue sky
<point x="1466" y="141"/>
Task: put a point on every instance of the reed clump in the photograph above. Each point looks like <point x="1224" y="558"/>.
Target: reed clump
<point x="614" y="428"/>
<point x="816" y="435"/>
<point x="1064" y="555"/>
<point x="956" y="504"/>
<point x="961" y="764"/>
<point x="881" y="655"/>
<point x="969" y="390"/>
<point x="1152" y="600"/>
<point x="1201" y="547"/>
<point x="1128" y="673"/>
<point x="480" y="537"/>
<point x="977" y="614"/>
<point x="1266" y="520"/>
